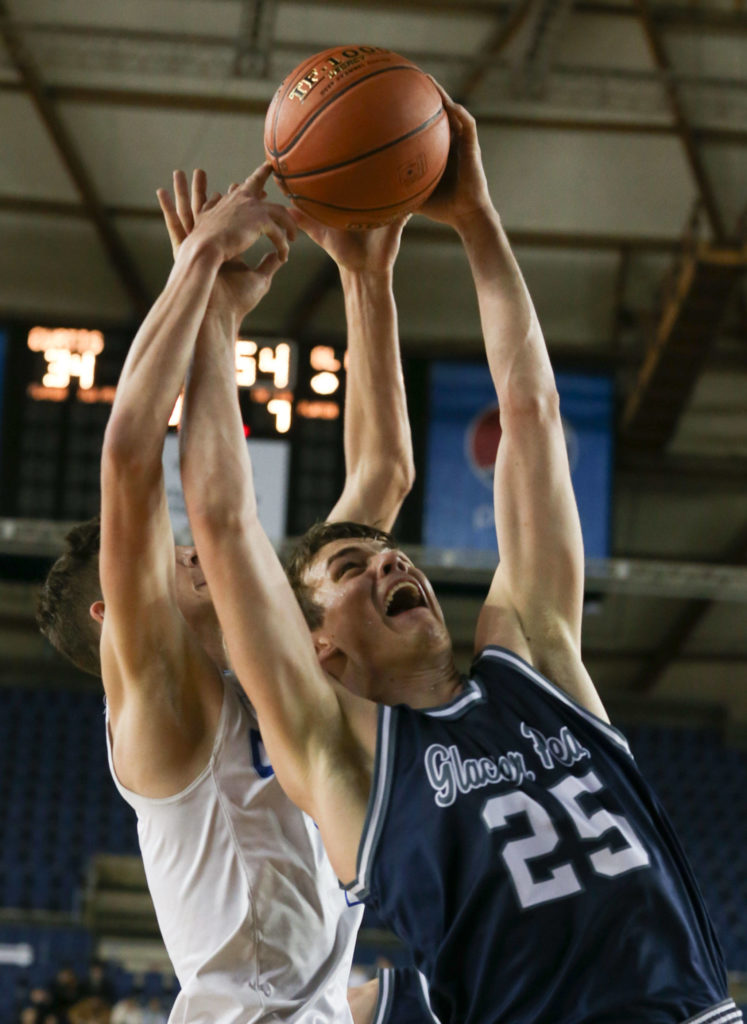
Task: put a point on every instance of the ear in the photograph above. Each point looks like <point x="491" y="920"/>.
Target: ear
<point x="96" y="611"/>
<point x="328" y="654"/>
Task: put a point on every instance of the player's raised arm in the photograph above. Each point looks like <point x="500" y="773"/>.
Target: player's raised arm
<point x="536" y="599"/>
<point x="145" y="640"/>
<point x="301" y="716"/>
<point x="378" y="446"/>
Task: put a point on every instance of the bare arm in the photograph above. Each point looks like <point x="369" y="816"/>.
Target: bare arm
<point x="306" y="723"/>
<point x="378" y="446"/>
<point x="145" y="644"/>
<point x="535" y="602"/>
<point x="150" y="660"/>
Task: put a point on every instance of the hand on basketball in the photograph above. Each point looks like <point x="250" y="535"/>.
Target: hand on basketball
<point x="463" y="189"/>
<point x="232" y="223"/>
<point x="372" y="251"/>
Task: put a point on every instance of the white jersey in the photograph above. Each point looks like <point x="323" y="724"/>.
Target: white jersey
<point x="249" y="908"/>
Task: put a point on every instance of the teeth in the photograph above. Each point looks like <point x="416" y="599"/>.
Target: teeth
<point x="396" y="589"/>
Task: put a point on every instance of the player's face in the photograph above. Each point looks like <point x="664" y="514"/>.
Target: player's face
<point x="378" y="607"/>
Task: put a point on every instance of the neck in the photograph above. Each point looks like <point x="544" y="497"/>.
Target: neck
<point x="211" y="640"/>
<point x="424" y="686"/>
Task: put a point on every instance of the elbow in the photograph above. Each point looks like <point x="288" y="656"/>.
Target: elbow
<point x="382" y="490"/>
<point x="214" y="508"/>
<point x="125" y="452"/>
<point x="531" y="401"/>
<point x="402" y="476"/>
<point x="210" y="520"/>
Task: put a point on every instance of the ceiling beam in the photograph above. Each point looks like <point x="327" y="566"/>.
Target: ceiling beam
<point x="253" y="44"/>
<point x="684" y="626"/>
<point x="242" y="106"/>
<point x="114" y="247"/>
<point x="695" y="303"/>
<point x="681" y="121"/>
<point x="416" y="231"/>
<point x="683" y="473"/>
<point x="684" y="14"/>
<point x="482" y="62"/>
<point x="531" y="65"/>
<point x="687" y="15"/>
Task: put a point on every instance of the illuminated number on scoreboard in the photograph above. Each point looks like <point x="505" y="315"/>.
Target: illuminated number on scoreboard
<point x="246" y="363"/>
<point x="272" y="361"/>
<point x="69" y="353"/>
<point x="325" y="381"/>
<point x="252" y="361"/>
<point x="276" y="361"/>
<point x="563" y="880"/>
<point x="281" y="409"/>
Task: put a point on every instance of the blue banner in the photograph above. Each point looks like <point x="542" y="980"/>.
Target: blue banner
<point x="463" y="436"/>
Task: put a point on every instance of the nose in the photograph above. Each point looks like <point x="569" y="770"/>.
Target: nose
<point x="188" y="557"/>
<point x="390" y="560"/>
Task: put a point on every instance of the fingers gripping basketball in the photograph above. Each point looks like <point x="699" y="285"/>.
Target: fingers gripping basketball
<point x="357" y="136"/>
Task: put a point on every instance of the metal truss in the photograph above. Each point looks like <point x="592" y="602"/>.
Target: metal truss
<point x="643" y="577"/>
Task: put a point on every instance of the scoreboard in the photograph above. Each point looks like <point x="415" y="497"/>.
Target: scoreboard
<point x="57" y="385"/>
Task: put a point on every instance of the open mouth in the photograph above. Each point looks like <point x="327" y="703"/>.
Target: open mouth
<point x="403" y="597"/>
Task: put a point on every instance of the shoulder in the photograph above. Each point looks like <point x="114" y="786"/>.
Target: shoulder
<point x="163" y="720"/>
<point x="557" y="663"/>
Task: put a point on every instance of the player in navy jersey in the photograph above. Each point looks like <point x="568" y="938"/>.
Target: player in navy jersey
<point x="497" y="822"/>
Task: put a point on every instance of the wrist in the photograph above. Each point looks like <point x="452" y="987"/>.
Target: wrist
<point x="204" y="253"/>
<point x="381" y="278"/>
<point x="222" y="321"/>
<point x="476" y="219"/>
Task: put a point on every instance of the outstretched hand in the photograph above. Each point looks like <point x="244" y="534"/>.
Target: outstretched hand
<point x="232" y="223"/>
<point x="371" y="251"/>
<point x="463" y="189"/>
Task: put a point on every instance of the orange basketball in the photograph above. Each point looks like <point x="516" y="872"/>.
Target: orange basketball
<point x="357" y="136"/>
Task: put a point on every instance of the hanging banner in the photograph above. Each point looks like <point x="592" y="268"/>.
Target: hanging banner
<point x="463" y="436"/>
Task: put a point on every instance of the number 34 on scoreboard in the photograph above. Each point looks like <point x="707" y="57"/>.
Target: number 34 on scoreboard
<point x="266" y="369"/>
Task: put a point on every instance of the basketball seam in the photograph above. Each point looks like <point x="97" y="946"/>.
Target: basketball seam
<point x="277" y="153"/>
<point x="362" y="156"/>
<point x="357" y="209"/>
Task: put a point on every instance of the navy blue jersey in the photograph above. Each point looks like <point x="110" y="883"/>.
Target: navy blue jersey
<point x="513" y="845"/>
<point x="403" y="997"/>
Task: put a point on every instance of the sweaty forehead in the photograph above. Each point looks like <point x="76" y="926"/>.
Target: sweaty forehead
<point x="326" y="556"/>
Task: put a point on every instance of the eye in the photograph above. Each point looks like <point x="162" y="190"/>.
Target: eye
<point x="345" y="567"/>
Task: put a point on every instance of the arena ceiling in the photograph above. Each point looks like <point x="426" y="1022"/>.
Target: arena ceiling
<point x="615" y="138"/>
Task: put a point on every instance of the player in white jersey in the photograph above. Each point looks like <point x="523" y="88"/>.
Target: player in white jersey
<point x="248" y="906"/>
<point x="240" y="880"/>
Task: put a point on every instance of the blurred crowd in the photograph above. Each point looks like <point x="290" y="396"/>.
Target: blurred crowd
<point x="70" y="999"/>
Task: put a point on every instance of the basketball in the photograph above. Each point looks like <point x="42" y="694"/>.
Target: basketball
<point x="357" y="136"/>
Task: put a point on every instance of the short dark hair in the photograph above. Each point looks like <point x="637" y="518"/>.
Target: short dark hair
<point x="303" y="554"/>
<point x="71" y="587"/>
